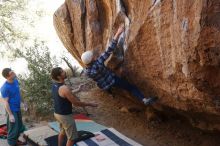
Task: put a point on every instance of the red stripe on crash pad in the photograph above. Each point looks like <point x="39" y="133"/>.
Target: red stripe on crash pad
<point x="3" y="131"/>
<point x="81" y="117"/>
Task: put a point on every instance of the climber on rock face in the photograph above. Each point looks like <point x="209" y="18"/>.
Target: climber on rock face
<point x="105" y="78"/>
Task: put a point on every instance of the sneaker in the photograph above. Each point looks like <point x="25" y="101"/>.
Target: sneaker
<point x="150" y="100"/>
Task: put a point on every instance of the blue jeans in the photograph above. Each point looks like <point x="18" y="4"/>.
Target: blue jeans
<point x="125" y="85"/>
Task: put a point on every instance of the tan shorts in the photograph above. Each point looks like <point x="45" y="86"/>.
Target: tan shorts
<point x="67" y="125"/>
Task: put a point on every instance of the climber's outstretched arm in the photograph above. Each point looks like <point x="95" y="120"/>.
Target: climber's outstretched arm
<point x="104" y="56"/>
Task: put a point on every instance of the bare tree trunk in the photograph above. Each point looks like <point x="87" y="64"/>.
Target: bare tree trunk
<point x="69" y="65"/>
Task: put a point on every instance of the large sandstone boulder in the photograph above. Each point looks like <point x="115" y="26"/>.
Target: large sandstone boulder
<point x="171" y="48"/>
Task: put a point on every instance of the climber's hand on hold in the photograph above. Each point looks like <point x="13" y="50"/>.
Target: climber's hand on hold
<point x="119" y="31"/>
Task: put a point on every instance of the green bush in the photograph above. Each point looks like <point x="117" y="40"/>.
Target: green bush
<point x="36" y="83"/>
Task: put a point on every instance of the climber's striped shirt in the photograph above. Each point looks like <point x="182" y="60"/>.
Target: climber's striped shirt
<point x="99" y="72"/>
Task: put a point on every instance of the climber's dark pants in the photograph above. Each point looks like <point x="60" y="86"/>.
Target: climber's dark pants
<point x="123" y="84"/>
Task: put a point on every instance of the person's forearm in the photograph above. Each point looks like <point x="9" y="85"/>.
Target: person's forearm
<point x="116" y="36"/>
<point x="7" y="108"/>
<point x="118" y="33"/>
<point x="76" y="90"/>
<point x="81" y="104"/>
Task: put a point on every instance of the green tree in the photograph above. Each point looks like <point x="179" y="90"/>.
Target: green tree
<point x="36" y="84"/>
<point x="10" y="11"/>
<point x="15" y="18"/>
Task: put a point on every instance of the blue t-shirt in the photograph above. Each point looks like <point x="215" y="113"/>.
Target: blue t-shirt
<point x="12" y="91"/>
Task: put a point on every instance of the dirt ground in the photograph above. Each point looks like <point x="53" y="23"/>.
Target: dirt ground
<point x="130" y="119"/>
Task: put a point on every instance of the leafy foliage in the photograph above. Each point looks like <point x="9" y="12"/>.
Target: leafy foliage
<point x="15" y="18"/>
<point x="10" y="11"/>
<point x="36" y="84"/>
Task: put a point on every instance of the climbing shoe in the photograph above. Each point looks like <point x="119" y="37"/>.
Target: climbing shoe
<point x="150" y="100"/>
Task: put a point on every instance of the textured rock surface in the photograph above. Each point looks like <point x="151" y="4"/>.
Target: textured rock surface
<point x="172" y="48"/>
